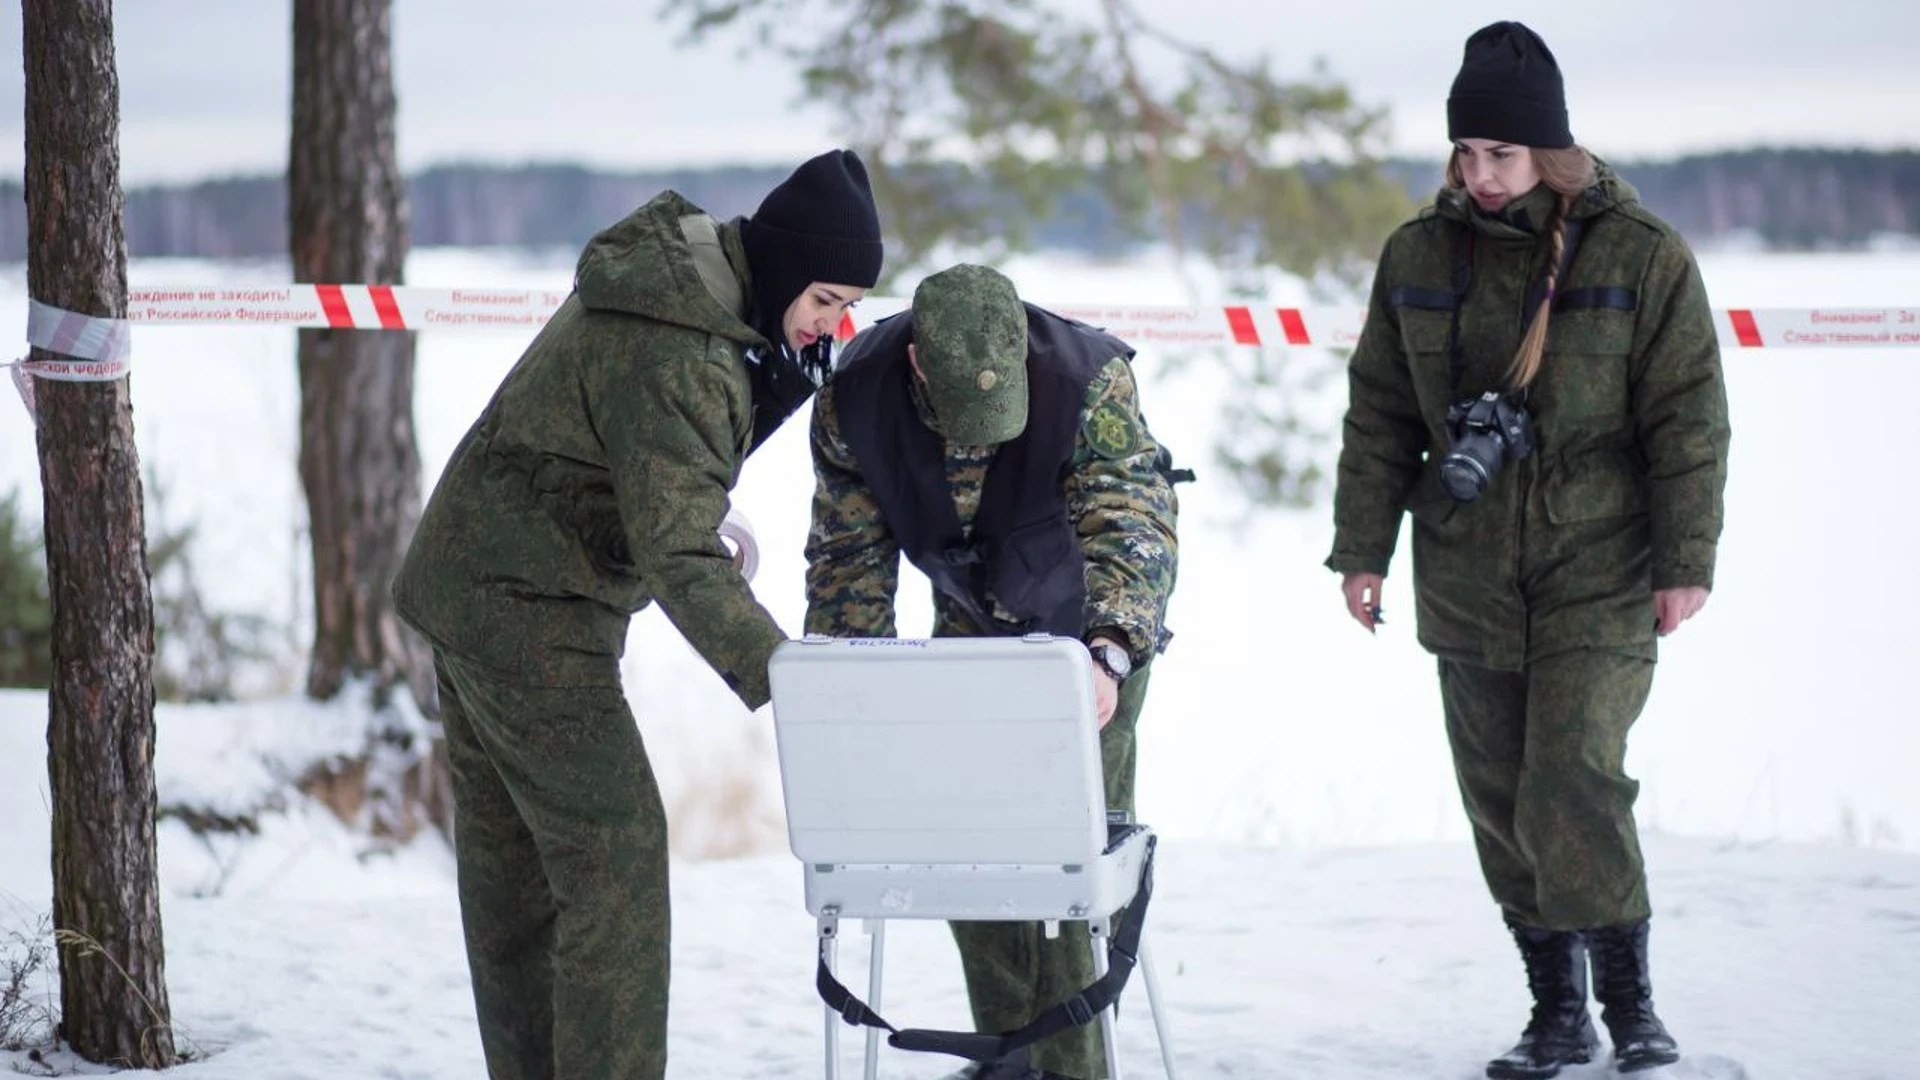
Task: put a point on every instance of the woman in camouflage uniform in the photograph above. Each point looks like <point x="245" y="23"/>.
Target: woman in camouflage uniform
<point x="1539" y="385"/>
<point x="594" y="484"/>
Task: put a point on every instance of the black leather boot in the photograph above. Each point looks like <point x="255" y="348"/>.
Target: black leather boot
<point x="1560" y="1031"/>
<point x="1620" y="981"/>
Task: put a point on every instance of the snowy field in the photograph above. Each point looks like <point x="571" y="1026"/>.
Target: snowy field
<point x="1786" y="710"/>
<point x="1319" y="913"/>
<point x="292" y="959"/>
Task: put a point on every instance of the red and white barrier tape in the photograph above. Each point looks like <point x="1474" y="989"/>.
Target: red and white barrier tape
<point x="25" y="386"/>
<point x="344" y="307"/>
<point x="408" y="307"/>
<point x="90" y="349"/>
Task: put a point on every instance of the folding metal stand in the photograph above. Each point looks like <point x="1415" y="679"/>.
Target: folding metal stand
<point x="952" y="779"/>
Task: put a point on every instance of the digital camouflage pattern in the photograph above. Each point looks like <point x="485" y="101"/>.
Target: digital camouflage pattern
<point x="1540" y="757"/>
<point x="1538" y="596"/>
<point x="595" y="481"/>
<point x="1623" y="494"/>
<point x="1122" y="509"/>
<point x="593" y="484"/>
<point x="1124" y="513"/>
<point x="1014" y="972"/>
<point x="970" y="339"/>
<point x="561" y="843"/>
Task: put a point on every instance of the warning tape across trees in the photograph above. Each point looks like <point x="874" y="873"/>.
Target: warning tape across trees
<point x="408" y="307"/>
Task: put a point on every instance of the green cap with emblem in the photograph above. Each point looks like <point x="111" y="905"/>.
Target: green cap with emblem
<point x="970" y="340"/>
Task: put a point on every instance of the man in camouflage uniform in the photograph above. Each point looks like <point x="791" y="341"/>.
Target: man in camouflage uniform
<point x="1002" y="449"/>
<point x="1542" y="597"/>
<point x="593" y="484"/>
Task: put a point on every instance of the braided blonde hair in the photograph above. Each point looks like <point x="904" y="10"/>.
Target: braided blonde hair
<point x="1567" y="172"/>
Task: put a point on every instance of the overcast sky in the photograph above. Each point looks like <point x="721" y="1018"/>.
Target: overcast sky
<point x="204" y="83"/>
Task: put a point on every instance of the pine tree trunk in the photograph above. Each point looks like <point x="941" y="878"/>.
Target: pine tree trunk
<point x="106" y="903"/>
<point x="359" y="461"/>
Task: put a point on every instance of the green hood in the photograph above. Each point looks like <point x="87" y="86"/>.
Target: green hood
<point x="1609" y="191"/>
<point x="644" y="265"/>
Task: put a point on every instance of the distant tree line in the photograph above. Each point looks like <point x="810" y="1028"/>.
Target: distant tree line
<point x="1787" y="199"/>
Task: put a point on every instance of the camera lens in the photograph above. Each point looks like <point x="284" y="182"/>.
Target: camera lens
<point x="1463" y="476"/>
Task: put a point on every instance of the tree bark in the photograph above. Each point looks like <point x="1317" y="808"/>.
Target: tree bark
<point x="106" y="902"/>
<point x="359" y="462"/>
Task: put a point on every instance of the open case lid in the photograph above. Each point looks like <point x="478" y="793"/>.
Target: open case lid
<point x="949" y="750"/>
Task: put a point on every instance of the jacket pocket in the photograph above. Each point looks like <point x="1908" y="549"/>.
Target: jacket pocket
<point x="1424" y="331"/>
<point x="1424" y="335"/>
<point x="1585" y="373"/>
<point x="1594" y="487"/>
<point x="584" y="506"/>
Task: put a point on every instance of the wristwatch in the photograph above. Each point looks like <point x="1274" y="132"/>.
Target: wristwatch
<point x="1112" y="659"/>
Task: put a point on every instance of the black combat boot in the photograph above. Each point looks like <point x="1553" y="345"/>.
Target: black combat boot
<point x="1620" y="981"/>
<point x="1560" y="1031"/>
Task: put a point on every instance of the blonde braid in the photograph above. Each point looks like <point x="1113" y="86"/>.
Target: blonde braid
<point x="1568" y="172"/>
<point x="1533" y="347"/>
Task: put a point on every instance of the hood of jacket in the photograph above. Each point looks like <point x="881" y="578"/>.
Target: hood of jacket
<point x="644" y="265"/>
<point x="1526" y="216"/>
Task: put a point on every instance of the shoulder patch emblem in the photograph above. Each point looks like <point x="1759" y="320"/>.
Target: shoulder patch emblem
<point x="1111" y="432"/>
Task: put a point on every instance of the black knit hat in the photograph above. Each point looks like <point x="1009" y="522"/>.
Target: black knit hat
<point x="1509" y="90"/>
<point x="818" y="225"/>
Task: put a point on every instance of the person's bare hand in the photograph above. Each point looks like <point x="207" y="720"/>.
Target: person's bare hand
<point x="1363" y="598"/>
<point x="1106" y="695"/>
<point x="1671" y="607"/>
<point x="1106" y="689"/>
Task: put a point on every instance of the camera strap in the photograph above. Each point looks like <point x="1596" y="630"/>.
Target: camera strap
<point x="1462" y="281"/>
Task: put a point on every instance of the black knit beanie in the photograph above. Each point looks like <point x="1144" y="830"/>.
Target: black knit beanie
<point x="818" y="225"/>
<point x="1509" y="90"/>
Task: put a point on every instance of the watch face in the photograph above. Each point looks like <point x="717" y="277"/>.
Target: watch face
<point x="1114" y="659"/>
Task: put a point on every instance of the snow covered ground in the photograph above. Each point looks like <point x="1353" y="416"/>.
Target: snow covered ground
<point x="1773" y="960"/>
<point x="1319" y="912"/>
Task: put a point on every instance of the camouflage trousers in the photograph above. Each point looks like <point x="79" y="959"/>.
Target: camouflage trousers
<point x="1539" y="755"/>
<point x="1014" y="972"/>
<point x="561" y="841"/>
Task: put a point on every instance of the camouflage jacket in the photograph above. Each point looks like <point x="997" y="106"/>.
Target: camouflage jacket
<point x="1122" y="508"/>
<point x="596" y="479"/>
<point x="1623" y="493"/>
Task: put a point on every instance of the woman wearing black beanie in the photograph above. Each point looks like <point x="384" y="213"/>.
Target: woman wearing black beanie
<point x="1538" y="383"/>
<point x="595" y="484"/>
<point x="818" y="228"/>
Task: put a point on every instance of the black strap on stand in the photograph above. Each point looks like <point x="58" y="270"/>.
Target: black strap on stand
<point x="1123" y="950"/>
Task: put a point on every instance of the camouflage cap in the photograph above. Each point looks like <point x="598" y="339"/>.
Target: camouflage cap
<point x="970" y="339"/>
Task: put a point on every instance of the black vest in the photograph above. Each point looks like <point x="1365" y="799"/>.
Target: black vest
<point x="1023" y="552"/>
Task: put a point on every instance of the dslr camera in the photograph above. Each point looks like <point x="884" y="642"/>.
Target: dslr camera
<point x="1486" y="431"/>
